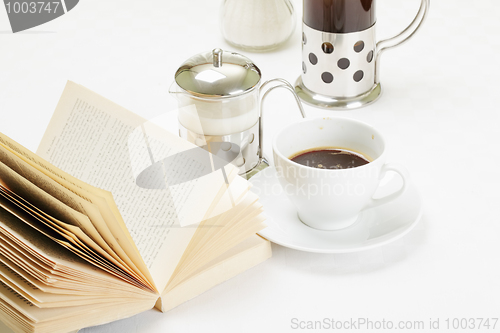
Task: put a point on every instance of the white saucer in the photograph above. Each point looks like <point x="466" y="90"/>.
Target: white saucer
<point x="374" y="227"/>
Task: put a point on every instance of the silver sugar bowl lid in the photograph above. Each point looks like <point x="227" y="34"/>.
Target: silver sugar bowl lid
<point x="218" y="74"/>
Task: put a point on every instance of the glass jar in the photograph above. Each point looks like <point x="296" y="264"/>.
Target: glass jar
<point x="257" y="25"/>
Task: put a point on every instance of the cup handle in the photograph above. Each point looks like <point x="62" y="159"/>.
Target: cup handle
<point x="401" y="170"/>
<point x="402" y="36"/>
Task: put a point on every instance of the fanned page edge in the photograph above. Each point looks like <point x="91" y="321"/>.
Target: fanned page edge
<point x="248" y="254"/>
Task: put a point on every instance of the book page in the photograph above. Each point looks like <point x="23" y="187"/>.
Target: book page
<point x="241" y="257"/>
<point x="72" y="231"/>
<point x="225" y="231"/>
<point x="12" y="300"/>
<point x="97" y="227"/>
<point x="80" y="251"/>
<point x="100" y="142"/>
<point x="41" y="275"/>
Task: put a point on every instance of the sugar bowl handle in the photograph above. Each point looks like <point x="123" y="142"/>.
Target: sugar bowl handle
<point x="282" y="83"/>
<point x="402" y="36"/>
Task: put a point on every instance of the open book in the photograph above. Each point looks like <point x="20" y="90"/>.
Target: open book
<point x="133" y="222"/>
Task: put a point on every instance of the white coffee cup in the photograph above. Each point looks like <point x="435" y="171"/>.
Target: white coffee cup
<point x="331" y="199"/>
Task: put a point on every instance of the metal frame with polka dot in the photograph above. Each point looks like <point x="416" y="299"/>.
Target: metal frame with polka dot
<point x="338" y="65"/>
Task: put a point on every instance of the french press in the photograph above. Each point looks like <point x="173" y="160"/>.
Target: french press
<point x="340" y="54"/>
<point x="220" y="100"/>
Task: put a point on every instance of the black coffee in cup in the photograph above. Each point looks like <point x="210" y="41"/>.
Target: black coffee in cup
<point x="330" y="159"/>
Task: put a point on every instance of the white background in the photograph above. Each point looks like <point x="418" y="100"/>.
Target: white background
<point x="439" y="113"/>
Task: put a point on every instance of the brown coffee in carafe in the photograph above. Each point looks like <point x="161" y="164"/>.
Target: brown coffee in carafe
<point x="339" y="16"/>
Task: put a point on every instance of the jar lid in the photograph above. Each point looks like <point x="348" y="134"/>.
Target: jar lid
<point x="218" y="74"/>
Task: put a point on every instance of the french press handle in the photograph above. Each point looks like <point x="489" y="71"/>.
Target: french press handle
<point x="402" y="37"/>
<point x="282" y="84"/>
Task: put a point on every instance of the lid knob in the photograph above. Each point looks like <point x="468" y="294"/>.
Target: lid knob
<point x="217" y="53"/>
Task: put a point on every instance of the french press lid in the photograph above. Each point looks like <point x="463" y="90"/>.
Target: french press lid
<point x="218" y="74"/>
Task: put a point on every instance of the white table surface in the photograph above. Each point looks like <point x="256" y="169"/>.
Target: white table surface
<point x="439" y="113"/>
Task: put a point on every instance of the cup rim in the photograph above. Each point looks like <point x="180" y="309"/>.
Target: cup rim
<point x="377" y="132"/>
